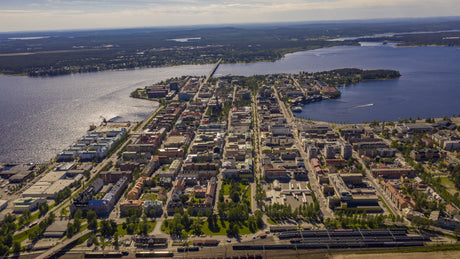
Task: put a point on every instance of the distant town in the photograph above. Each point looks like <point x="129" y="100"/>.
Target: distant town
<point x="225" y="169"/>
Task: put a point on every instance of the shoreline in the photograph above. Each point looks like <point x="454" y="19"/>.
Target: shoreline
<point x="398" y="45"/>
<point x="335" y="124"/>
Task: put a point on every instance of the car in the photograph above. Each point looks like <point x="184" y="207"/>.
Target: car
<point x="253" y="237"/>
<point x="229" y="240"/>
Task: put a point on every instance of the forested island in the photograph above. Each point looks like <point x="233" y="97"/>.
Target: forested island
<point x="58" y="53"/>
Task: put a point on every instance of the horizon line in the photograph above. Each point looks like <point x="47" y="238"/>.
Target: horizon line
<point x="198" y="26"/>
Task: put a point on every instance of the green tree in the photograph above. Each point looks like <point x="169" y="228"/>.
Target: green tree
<point x="130" y="228"/>
<point x="196" y="227"/>
<point x="259" y="218"/>
<point x="16" y="247"/>
<point x="26" y="214"/>
<point x="105" y="228"/>
<point x="113" y="227"/>
<point x="70" y="230"/>
<point x="236" y="230"/>
<point x="252" y="224"/>
<point x="91" y="216"/>
<point x="43" y="209"/>
<point x="175" y="225"/>
<point x="185" y="221"/>
<point x="95" y="240"/>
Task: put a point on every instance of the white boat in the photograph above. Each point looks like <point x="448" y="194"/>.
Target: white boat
<point x="296" y="109"/>
<point x="365" y="105"/>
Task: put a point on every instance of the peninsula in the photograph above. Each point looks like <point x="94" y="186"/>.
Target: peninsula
<point x="224" y="168"/>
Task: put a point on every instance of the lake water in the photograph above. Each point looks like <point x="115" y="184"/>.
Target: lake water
<point x="429" y="85"/>
<point x="41" y="116"/>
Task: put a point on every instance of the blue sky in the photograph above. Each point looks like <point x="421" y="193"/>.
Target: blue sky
<point x="33" y="15"/>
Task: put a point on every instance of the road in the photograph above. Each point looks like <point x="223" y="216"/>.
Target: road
<point x="49" y="253"/>
<point x="296" y="83"/>
<point x="325" y="210"/>
<point x="378" y="189"/>
<point x="94" y="174"/>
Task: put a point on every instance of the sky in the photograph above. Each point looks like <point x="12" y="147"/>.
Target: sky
<point x="37" y="15"/>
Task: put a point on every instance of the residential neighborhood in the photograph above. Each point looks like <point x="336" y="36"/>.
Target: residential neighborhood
<point x="229" y="163"/>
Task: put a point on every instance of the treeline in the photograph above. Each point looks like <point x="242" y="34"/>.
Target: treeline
<point x="7" y="229"/>
<point x="349" y="76"/>
<point x="379" y="74"/>
<point x="450" y="39"/>
<point x="67" y="62"/>
<point x="356" y="221"/>
<point x="374" y="74"/>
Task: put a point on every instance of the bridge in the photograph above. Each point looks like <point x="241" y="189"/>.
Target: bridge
<point x="211" y="73"/>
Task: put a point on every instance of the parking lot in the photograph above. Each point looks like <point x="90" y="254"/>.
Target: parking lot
<point x="294" y="193"/>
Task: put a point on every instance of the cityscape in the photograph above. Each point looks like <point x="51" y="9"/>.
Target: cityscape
<point x="229" y="129"/>
<point x="225" y="165"/>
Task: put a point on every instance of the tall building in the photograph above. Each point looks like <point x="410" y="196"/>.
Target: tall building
<point x="346" y="150"/>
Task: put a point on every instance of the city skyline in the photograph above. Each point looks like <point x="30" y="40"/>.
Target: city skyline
<point x="83" y="14"/>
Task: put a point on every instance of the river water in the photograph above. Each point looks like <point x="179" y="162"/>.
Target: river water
<point x="41" y="116"/>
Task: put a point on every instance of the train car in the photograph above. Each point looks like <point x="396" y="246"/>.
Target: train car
<point x="105" y="254"/>
<point x="188" y="249"/>
<point x="154" y="254"/>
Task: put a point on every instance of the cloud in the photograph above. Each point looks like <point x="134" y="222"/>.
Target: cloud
<point x="16" y="11"/>
<point x="75" y="14"/>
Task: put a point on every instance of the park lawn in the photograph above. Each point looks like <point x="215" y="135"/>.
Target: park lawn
<point x="226" y="188"/>
<point x="247" y="196"/>
<point x="270" y="221"/>
<point x="447" y="183"/>
<point x="151" y="226"/>
<point x="84" y="238"/>
<point x="24" y="235"/>
<point x="208" y="232"/>
<point x="123" y="232"/>
<point x="34" y="216"/>
<point x="149" y="196"/>
<point x="244" y="230"/>
<point x="450" y="186"/>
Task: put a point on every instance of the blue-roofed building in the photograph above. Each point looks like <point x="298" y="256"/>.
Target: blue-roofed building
<point x="105" y="205"/>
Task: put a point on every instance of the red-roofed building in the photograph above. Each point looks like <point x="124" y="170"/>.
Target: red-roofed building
<point x="335" y="162"/>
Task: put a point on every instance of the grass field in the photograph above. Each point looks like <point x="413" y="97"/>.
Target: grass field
<point x="122" y="232"/>
<point x="450" y="186"/>
<point x="226" y="188"/>
<point x="222" y="231"/>
<point x="270" y="221"/>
